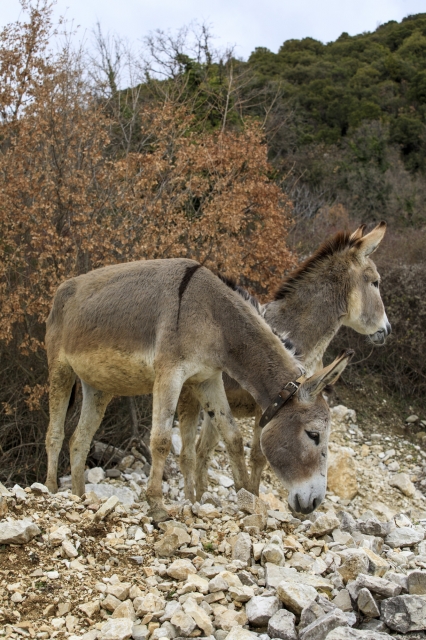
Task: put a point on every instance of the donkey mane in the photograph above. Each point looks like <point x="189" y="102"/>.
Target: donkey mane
<point x="232" y="284"/>
<point x="285" y="340"/>
<point x="337" y="244"/>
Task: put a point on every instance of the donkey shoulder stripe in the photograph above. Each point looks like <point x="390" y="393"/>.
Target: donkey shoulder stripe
<point x="189" y="272"/>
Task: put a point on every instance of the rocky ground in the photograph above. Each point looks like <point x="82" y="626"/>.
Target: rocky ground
<point x="232" y="567"/>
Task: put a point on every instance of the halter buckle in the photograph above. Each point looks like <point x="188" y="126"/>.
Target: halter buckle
<point x="280" y="400"/>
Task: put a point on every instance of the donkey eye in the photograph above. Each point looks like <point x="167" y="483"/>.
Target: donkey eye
<point x="313" y="435"/>
<point x="375" y="284"/>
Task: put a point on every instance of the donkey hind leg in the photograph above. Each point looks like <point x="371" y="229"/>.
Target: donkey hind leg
<point x="214" y="402"/>
<point x="92" y="411"/>
<point x="257" y="459"/>
<point x="165" y="398"/>
<point x="189" y="416"/>
<point x="61" y="380"/>
<point x="209" y="437"/>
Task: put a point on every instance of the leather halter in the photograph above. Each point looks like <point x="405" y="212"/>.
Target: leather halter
<point x="280" y="400"/>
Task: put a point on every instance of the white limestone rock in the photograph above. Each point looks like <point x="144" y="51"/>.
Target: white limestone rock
<point x="176" y="442"/>
<point x="151" y="603"/>
<point x="354" y="562"/>
<point x="296" y="596"/>
<point x="260" y="609"/>
<point x="273" y="553"/>
<point x="125" y="496"/>
<point x="402" y="482"/>
<point x="282" y="625"/>
<point x="125" y="610"/>
<point x="119" y="590"/>
<point x="242" y="548"/>
<point x="171" y="608"/>
<point x="39" y="488"/>
<point x="274" y="575"/>
<point x="225" y="481"/>
<point x="404" y="613"/>
<point x="18" y="531"/>
<point x="69" y="549"/>
<point x="367" y="604"/>
<point x="95" y="475"/>
<point x="181" y="569"/>
<point x="239" y="633"/>
<point x="343" y="600"/>
<point x="19" y="493"/>
<point x="320" y="628"/>
<point x="241" y="594"/>
<point x="227" y="618"/>
<point x="194" y="582"/>
<point x="218" y="583"/>
<point x="405" y="537"/>
<point x="346" y="633"/>
<point x="208" y="511"/>
<point x="201" y="618"/>
<point x="183" y="622"/>
<point x="325" y="523"/>
<point x="140" y="632"/>
<point x="117" y="629"/>
<point x="58" y="536"/>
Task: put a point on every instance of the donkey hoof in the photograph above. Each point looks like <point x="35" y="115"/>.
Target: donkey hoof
<point x="158" y="514"/>
<point x="52" y="486"/>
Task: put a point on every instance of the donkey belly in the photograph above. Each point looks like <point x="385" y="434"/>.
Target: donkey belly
<point x="242" y="404"/>
<point x="113" y="371"/>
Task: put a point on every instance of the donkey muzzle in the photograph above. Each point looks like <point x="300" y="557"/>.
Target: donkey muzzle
<point x="380" y="336"/>
<point x="306" y="499"/>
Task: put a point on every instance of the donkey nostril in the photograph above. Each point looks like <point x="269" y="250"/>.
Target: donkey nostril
<point x="315" y="503"/>
<point x="389" y="328"/>
<point x="297" y="506"/>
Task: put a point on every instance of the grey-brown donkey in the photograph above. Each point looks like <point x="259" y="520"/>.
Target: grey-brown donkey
<point x="155" y="326"/>
<point x="338" y="285"/>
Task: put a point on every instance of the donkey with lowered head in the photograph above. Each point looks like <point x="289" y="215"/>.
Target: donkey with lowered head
<point x="158" y="326"/>
<point x="338" y="285"/>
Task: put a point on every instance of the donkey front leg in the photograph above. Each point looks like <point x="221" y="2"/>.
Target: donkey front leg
<point x="92" y="411"/>
<point x="257" y="459"/>
<point x="165" y="398"/>
<point x="189" y="416"/>
<point x="61" y="380"/>
<point x="213" y="399"/>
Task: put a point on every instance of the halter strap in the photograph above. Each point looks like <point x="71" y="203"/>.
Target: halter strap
<point x="280" y="400"/>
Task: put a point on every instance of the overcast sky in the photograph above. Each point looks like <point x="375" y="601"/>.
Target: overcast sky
<point x="244" y="23"/>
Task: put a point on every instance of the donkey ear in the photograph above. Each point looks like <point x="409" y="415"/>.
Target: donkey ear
<point x="329" y="375"/>
<point x="358" y="233"/>
<point x="369" y="243"/>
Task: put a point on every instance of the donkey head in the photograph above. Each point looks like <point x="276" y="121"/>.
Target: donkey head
<point x="295" y="440"/>
<point x="365" y="310"/>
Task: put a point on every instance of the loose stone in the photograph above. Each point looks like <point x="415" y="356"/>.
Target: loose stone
<point x="18" y="531"/>
<point x="260" y="609"/>
<point x="367" y="604"/>
<point x="296" y="596"/>
<point x="282" y="625"/>
<point x="404" y="613"/>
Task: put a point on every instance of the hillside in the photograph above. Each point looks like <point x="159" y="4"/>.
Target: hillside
<point x="355" y="117"/>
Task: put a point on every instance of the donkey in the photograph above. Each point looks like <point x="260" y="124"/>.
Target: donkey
<point x="158" y="326"/>
<point x="338" y="285"/>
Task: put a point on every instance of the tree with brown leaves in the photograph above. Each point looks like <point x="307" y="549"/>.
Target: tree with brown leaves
<point x="72" y="200"/>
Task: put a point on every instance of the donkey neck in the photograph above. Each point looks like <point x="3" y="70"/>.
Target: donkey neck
<point x="311" y="315"/>
<point x="258" y="361"/>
